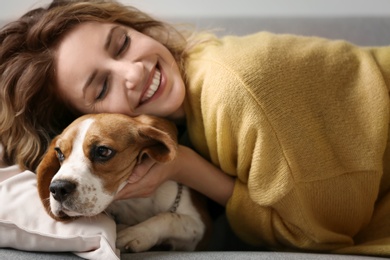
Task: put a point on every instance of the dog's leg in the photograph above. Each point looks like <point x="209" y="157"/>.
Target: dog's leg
<point x="179" y="231"/>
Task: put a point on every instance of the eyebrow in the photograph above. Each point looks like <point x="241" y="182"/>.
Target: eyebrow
<point x="106" y="47"/>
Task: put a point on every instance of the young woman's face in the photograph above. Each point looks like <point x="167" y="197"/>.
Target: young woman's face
<point x="116" y="69"/>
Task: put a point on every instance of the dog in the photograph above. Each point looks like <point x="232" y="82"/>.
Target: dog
<point x="90" y="162"/>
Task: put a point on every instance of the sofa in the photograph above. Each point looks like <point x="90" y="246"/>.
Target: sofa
<point x="366" y="31"/>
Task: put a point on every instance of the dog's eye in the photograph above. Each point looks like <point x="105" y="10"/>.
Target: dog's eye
<point x="102" y="153"/>
<point x="60" y="155"/>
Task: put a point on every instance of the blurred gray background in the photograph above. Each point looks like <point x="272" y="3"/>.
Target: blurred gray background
<point x="363" y="22"/>
<point x="231" y="8"/>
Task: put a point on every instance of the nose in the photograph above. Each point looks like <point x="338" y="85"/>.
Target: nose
<point x="61" y="189"/>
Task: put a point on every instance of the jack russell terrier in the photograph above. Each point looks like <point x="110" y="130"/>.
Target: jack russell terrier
<point x="91" y="161"/>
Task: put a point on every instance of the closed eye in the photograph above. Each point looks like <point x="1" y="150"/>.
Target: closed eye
<point x="104" y="89"/>
<point x="105" y="85"/>
<point x="124" y="46"/>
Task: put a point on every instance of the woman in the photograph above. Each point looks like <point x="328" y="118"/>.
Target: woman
<point x="293" y="130"/>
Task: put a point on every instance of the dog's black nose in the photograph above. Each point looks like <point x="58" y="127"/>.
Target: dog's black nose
<point x="61" y="189"/>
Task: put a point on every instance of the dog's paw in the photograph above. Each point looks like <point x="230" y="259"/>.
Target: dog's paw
<point x="136" y="239"/>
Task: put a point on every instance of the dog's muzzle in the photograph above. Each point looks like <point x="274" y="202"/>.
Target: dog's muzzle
<point x="62" y="189"/>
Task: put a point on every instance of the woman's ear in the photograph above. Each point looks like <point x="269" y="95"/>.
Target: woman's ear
<point x="46" y="170"/>
<point x="159" y="138"/>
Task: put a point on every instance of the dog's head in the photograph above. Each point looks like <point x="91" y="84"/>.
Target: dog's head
<point x="91" y="160"/>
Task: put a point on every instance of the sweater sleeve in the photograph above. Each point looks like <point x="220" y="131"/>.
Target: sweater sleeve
<point x="302" y="125"/>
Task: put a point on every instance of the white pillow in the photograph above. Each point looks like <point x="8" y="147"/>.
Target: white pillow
<point x="25" y="225"/>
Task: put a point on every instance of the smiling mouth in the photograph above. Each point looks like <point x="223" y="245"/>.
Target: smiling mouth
<point x="149" y="93"/>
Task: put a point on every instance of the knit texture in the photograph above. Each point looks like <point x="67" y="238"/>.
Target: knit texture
<point x="302" y="122"/>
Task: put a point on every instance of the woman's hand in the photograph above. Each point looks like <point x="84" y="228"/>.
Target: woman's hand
<point x="146" y="178"/>
<point x="188" y="168"/>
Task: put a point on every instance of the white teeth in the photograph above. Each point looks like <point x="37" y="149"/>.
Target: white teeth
<point x="153" y="87"/>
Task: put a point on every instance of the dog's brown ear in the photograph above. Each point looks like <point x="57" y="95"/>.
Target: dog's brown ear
<point x="160" y="138"/>
<point x="46" y="170"/>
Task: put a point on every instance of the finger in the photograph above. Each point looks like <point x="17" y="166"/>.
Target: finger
<point x="125" y="193"/>
<point x="138" y="183"/>
<point x="121" y="194"/>
<point x="141" y="170"/>
<point x="140" y="189"/>
<point x="130" y="191"/>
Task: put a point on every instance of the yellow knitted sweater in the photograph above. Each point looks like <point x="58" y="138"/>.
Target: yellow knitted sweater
<point x="302" y="123"/>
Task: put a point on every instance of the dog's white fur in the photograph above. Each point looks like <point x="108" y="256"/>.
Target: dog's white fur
<point x="90" y="188"/>
<point x="143" y="222"/>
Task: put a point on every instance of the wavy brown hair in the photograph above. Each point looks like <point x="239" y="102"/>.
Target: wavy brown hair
<point x="31" y="112"/>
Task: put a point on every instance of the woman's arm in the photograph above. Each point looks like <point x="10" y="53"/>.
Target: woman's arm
<point x="199" y="174"/>
<point x="188" y="168"/>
